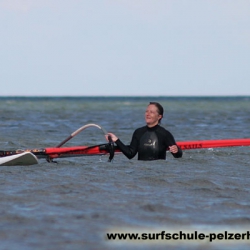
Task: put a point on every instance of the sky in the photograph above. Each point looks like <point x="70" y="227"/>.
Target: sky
<point x="124" y="47"/>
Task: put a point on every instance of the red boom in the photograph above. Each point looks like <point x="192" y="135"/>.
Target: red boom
<point x="97" y="150"/>
<point x="214" y="143"/>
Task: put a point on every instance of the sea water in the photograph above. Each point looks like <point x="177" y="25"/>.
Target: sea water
<point x="74" y="203"/>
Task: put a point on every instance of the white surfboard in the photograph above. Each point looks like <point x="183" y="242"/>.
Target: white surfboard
<point x="23" y="159"/>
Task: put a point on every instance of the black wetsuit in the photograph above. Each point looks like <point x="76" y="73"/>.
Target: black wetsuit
<point x="149" y="143"/>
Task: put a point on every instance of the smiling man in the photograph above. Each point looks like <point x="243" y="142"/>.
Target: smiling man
<point x="151" y="141"/>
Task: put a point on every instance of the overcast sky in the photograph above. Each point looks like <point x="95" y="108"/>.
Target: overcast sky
<point x="124" y="47"/>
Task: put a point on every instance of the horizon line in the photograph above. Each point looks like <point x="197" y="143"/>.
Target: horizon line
<point x="114" y="96"/>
